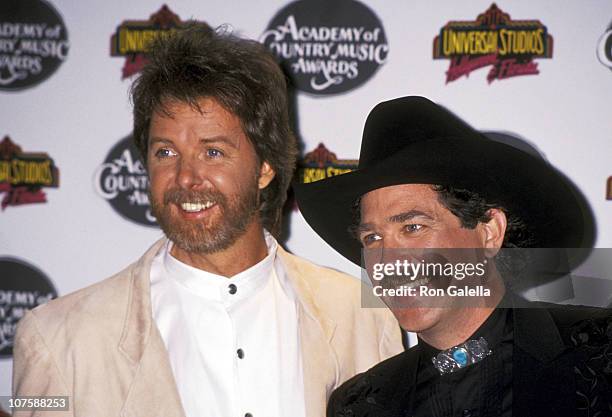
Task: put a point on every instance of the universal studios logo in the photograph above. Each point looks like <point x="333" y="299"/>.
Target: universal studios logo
<point x="122" y="180"/>
<point x="327" y="47"/>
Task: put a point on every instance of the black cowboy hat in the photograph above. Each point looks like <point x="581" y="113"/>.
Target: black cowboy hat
<point x="411" y="140"/>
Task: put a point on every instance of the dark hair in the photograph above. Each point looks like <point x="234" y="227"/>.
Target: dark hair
<point x="471" y="209"/>
<point x="242" y="76"/>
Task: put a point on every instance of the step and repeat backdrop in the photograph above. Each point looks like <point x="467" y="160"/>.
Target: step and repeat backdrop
<point x="73" y="194"/>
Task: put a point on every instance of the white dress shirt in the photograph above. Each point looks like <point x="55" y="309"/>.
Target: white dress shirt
<point x="233" y="342"/>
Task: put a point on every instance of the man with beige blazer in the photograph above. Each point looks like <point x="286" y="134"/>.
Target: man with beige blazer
<point x="216" y="319"/>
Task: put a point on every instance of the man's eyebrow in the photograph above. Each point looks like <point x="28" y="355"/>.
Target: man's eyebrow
<point x="408" y="215"/>
<point x="211" y="140"/>
<point x="361" y="227"/>
<point x="219" y="139"/>
<point x="397" y="218"/>
<point x="156" y="139"/>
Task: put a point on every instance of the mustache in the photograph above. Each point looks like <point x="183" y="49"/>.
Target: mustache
<point x="179" y="196"/>
<point x="394" y="281"/>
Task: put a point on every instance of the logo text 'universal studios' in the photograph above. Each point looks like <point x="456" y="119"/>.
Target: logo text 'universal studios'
<point x="327" y="47"/>
<point x="508" y="46"/>
<point x="132" y="37"/>
<point x="24" y="174"/>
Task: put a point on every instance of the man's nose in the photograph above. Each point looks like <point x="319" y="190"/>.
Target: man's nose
<point x="391" y="241"/>
<point x="190" y="173"/>
<point x="395" y="248"/>
<point x="384" y="252"/>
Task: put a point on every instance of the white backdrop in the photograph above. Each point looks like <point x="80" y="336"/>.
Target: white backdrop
<point x="82" y="110"/>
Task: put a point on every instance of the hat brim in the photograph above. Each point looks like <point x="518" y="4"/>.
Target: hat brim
<point x="552" y="207"/>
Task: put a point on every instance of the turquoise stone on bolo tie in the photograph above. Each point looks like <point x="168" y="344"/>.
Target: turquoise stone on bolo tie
<point x="461" y="357"/>
<point x="458" y="357"/>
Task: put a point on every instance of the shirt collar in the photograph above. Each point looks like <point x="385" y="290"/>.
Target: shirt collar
<point x="215" y="287"/>
<point x="493" y="329"/>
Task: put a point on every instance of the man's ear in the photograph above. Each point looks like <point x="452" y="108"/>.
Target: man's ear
<point x="495" y="231"/>
<point x="266" y="175"/>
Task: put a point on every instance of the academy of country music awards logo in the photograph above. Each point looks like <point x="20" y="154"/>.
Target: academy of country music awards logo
<point x="132" y="37"/>
<point x="24" y="174"/>
<point x="494" y="40"/>
<point x="122" y="180"/>
<point x="604" y="48"/>
<point x="327" y="47"/>
<point x="23" y="287"/>
<point x="33" y="43"/>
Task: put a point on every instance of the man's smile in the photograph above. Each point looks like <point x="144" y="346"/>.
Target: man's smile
<point x="196" y="207"/>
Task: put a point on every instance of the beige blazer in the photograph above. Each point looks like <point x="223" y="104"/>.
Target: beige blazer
<point x="101" y="347"/>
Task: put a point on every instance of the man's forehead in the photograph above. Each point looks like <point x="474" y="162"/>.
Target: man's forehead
<point x="399" y="203"/>
<point x="402" y="194"/>
<point x="169" y="106"/>
<point x="207" y="119"/>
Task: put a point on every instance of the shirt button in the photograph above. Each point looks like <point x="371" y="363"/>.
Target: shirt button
<point x="240" y="353"/>
<point x="232" y="289"/>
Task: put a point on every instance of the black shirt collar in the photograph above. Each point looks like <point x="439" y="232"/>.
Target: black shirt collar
<point x="493" y="329"/>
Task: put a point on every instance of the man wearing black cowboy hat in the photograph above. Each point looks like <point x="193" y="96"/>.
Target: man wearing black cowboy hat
<point x="428" y="180"/>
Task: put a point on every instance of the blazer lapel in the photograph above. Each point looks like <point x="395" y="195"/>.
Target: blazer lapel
<point x="402" y="394"/>
<point x="544" y="380"/>
<point x="152" y="391"/>
<point x="319" y="360"/>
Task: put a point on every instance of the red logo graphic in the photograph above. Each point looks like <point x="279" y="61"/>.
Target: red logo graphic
<point x="133" y="37"/>
<point x="508" y="46"/>
<point x="321" y="163"/>
<point x="22" y="175"/>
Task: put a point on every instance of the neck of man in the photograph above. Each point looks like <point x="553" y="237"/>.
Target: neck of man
<point x="460" y="323"/>
<point x="246" y="251"/>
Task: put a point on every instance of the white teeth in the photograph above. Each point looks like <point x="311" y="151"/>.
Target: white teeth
<point x="422" y="280"/>
<point x="195" y="207"/>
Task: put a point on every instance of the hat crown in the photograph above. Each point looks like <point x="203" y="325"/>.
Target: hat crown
<point x="399" y="123"/>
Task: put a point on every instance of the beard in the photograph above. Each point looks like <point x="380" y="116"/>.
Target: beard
<point x="236" y="214"/>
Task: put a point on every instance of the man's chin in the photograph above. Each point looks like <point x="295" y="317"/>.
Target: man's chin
<point x="209" y="242"/>
<point x="190" y="235"/>
<point x="416" y="319"/>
